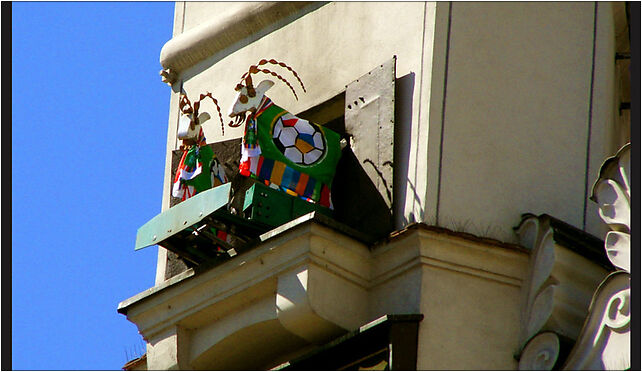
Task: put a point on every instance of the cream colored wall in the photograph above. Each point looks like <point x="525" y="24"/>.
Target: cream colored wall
<point x="469" y="294"/>
<point x="469" y="322"/>
<point x="498" y="123"/>
<point x="483" y="314"/>
<point x="329" y="48"/>
<point x="471" y="304"/>
<point x="604" y="131"/>
<point x="515" y="129"/>
<point x="517" y="81"/>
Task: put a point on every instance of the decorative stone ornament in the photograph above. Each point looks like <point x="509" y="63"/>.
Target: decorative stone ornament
<point x="557" y="288"/>
<point x="168" y="76"/>
<point x="541" y="353"/>
<point x="612" y="193"/>
<point x="552" y="286"/>
<point x="605" y="340"/>
<point x="538" y="291"/>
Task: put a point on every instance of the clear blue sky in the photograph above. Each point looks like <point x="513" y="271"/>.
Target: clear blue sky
<point x="88" y="136"/>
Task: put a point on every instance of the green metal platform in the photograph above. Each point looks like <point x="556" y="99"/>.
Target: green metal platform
<point x="190" y="228"/>
<point x="274" y="208"/>
<point x="181" y="216"/>
<point x="202" y="231"/>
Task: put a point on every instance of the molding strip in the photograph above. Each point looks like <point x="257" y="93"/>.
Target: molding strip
<point x="189" y="48"/>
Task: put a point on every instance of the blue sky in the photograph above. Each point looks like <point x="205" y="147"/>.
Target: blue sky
<point x="88" y="136"/>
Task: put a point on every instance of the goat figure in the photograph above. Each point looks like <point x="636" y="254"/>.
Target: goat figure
<point x="280" y="149"/>
<point x="190" y="178"/>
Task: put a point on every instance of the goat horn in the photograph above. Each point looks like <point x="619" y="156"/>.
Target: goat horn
<point x="266" y="71"/>
<point x="282" y="64"/>
<point x="220" y="116"/>
<point x="291" y="70"/>
<point x="184" y="101"/>
<point x="253" y="69"/>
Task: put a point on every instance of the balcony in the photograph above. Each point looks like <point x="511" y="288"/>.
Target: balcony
<point x="312" y="280"/>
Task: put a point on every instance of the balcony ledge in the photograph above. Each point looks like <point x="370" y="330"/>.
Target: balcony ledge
<point x="306" y="283"/>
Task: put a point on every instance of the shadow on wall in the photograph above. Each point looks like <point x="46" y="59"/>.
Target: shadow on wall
<point x="357" y="202"/>
<point x="404" y="90"/>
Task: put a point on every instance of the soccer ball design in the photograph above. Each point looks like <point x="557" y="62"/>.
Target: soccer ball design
<point x="299" y="140"/>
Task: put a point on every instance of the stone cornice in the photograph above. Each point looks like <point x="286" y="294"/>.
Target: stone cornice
<point x="153" y="310"/>
<point x="189" y="48"/>
<point x="400" y="234"/>
<point x="370" y="269"/>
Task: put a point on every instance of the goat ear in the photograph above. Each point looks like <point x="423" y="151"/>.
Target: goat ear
<point x="264" y="86"/>
<point x="203" y="117"/>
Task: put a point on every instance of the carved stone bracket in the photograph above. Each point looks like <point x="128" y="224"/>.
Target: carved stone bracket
<point x="168" y="76"/>
<point x="606" y="337"/>
<point x="537" y="293"/>
<point x="557" y="289"/>
<point x="605" y="340"/>
<point x="541" y="353"/>
<point x="612" y="193"/>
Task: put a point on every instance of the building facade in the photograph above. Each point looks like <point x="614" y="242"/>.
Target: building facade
<point x="463" y="236"/>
